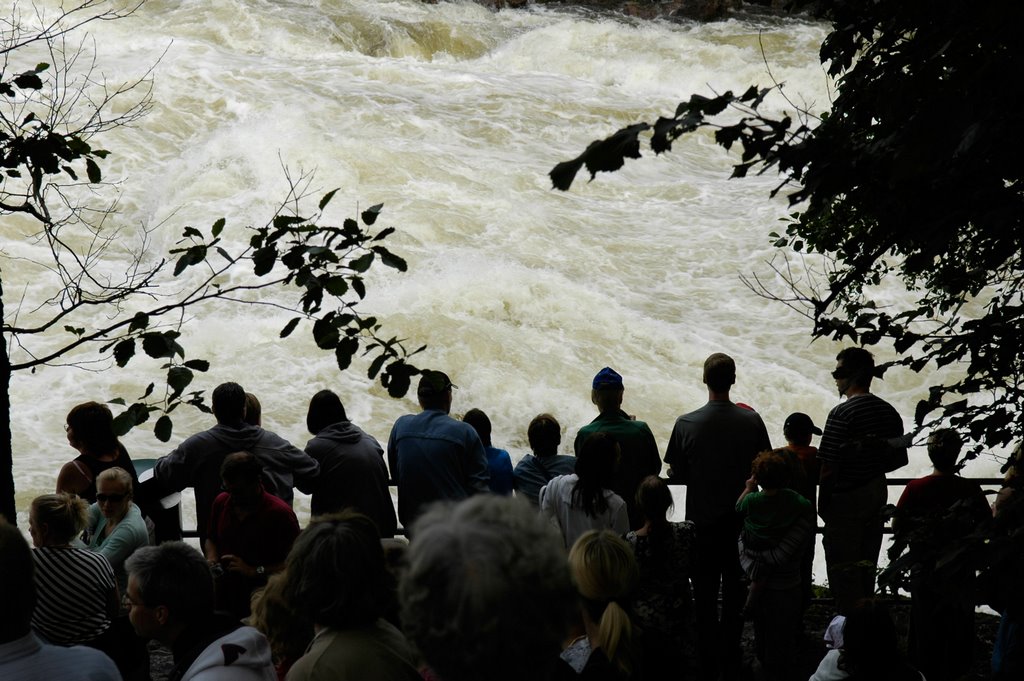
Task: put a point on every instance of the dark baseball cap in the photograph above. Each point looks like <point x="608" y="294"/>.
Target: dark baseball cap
<point x="434" y="383"/>
<point x="798" y="422"/>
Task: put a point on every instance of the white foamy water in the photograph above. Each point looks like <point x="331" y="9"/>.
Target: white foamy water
<point x="452" y="115"/>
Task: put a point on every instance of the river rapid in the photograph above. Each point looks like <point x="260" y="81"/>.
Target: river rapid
<point x="451" y="115"/>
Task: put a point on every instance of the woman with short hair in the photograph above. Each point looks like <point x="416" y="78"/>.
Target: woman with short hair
<point x="115" y="526"/>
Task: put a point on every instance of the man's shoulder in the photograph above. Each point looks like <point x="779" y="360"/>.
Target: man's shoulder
<point x="31" y="659"/>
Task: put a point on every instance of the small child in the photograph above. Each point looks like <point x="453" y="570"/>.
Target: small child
<point x="767" y="516"/>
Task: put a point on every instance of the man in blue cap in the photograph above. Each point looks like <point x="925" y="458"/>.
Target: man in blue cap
<point x="640" y="456"/>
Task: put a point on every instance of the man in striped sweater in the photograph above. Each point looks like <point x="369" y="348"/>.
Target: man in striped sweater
<point x="861" y="443"/>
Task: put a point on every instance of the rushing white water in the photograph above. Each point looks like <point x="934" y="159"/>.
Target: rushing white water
<point x="451" y="115"/>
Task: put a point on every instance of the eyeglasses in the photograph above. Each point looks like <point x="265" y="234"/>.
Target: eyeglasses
<point x="841" y="372"/>
<point x="115" y="498"/>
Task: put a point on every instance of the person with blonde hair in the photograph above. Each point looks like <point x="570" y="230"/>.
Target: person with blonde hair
<point x="606" y="575"/>
<point x="115" y="527"/>
<point x="287" y="630"/>
<point x="23" y="655"/>
<point x="76" y="588"/>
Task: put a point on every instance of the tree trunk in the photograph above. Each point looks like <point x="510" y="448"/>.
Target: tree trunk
<point x="6" y="453"/>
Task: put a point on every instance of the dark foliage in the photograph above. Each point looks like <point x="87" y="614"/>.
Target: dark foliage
<point x="913" y="174"/>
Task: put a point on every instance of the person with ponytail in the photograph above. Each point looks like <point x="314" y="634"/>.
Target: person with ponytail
<point x="76" y="589"/>
<point x="584" y="500"/>
<point x="606" y="574"/>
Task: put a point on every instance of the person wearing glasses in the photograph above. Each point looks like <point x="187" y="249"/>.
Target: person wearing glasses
<point x="862" y="441"/>
<point x="90" y="430"/>
<point x="115" y="528"/>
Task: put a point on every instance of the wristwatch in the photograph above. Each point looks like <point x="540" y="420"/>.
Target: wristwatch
<point x="260" y="571"/>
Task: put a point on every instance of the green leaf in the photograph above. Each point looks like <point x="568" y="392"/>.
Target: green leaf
<point x="325" y="334"/>
<point x="78" y="331"/>
<point x="362" y="263"/>
<point x="217" y="228"/>
<point x="336" y="286"/>
<point x="179" y="378"/>
<point x="286" y="221"/>
<point x="375" y="366"/>
<point x="158" y="345"/>
<point x="124" y="351"/>
<point x="290" y="326"/>
<point x="390" y="259"/>
<point x="29" y="81"/>
<point x="359" y="287"/>
<point x="346" y="349"/>
<point x="327" y="198"/>
<point x="93" y="171"/>
<point x="163" y="428"/>
<point x="139" y="321"/>
<point x="198" y="364"/>
<point x="116" y="400"/>
<point x="370" y="215"/>
<point x="136" y="414"/>
<point x="263" y="260"/>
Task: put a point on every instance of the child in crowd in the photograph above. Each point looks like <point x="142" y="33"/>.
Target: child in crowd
<point x="767" y="516"/>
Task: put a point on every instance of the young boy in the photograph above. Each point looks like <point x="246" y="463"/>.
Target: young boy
<point x="767" y="515"/>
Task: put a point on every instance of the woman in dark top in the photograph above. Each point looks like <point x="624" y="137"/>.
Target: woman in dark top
<point x="90" y="429"/>
<point x="664" y="602"/>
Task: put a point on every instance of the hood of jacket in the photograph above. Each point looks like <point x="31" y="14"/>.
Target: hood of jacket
<point x="343" y="432"/>
<point x="240" y="654"/>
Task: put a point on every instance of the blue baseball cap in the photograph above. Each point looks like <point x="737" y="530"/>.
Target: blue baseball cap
<point x="607" y="379"/>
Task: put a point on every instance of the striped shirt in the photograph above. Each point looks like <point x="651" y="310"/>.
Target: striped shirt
<point x="74" y="590"/>
<point x="851" y="442"/>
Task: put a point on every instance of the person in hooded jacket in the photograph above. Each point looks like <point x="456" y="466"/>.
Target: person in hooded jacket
<point x="353" y="473"/>
<point x="196" y="462"/>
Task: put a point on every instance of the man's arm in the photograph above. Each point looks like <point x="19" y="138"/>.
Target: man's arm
<point x="677" y="455"/>
<point x="173" y="472"/>
<point x="652" y="459"/>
